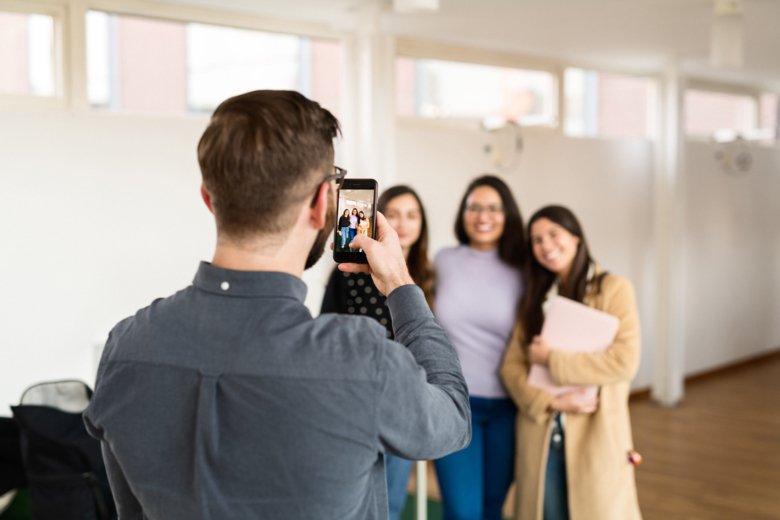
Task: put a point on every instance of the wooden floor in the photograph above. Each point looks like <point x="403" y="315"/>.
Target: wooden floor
<point x="715" y="456"/>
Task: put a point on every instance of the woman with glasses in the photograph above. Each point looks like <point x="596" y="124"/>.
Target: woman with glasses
<point x="356" y="294"/>
<point x="594" y="476"/>
<point x="353" y="222"/>
<point x="478" y="287"/>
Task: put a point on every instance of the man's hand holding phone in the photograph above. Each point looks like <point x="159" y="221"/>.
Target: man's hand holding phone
<point x="386" y="262"/>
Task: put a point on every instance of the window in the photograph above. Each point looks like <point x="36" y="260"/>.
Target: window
<point x="445" y="89"/>
<point x="609" y="105"/>
<point x="27" y="54"/>
<point x="769" y="117"/>
<point x="719" y="114"/>
<point x="148" y="65"/>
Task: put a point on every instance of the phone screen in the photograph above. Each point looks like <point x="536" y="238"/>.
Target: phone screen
<point x="356" y="215"/>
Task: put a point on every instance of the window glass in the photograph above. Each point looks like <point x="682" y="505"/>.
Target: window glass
<point x="445" y="89"/>
<point x="27" y="54"/>
<point x="609" y="105"/>
<point x="719" y="114"/>
<point x="149" y="65"/>
<point x="769" y="115"/>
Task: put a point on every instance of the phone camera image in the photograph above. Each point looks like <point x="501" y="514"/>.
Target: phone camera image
<point x="356" y="216"/>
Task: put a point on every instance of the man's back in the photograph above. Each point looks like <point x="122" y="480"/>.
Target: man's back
<point x="227" y="400"/>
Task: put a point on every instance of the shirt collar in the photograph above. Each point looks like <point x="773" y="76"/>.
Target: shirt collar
<point x="228" y="282"/>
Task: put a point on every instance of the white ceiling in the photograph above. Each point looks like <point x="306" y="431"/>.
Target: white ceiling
<point x="631" y="35"/>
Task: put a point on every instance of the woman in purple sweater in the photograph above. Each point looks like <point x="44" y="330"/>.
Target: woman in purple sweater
<point x="478" y="287"/>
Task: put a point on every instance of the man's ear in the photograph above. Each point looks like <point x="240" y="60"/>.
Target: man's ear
<point x="206" y="197"/>
<point x="319" y="211"/>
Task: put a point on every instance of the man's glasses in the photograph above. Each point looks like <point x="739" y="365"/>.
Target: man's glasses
<point x="337" y="175"/>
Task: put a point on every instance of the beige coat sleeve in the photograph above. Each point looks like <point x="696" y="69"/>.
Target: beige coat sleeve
<point x="620" y="361"/>
<point x="531" y="401"/>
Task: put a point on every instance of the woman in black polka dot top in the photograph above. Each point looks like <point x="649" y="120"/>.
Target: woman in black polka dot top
<point x="355" y="293"/>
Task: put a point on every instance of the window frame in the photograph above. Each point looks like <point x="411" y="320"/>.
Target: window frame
<point x="70" y="45"/>
<point x="206" y="16"/>
<point x="419" y="49"/>
<point x="422" y="50"/>
<point x="655" y="78"/>
<point x="701" y="85"/>
<point x="58" y="12"/>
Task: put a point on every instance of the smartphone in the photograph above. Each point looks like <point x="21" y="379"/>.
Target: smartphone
<point x="356" y="215"/>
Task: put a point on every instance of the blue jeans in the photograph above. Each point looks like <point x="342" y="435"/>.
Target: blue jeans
<point x="475" y="480"/>
<point x="397" y="470"/>
<point x="556" y="500"/>
<point x="344" y="236"/>
<point x="352" y="233"/>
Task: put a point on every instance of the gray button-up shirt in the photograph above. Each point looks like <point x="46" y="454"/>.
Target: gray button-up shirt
<point x="228" y="400"/>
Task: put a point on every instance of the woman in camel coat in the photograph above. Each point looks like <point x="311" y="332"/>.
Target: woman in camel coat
<point x="574" y="456"/>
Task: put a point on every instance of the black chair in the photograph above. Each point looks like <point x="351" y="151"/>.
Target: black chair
<point x="63" y="464"/>
<point x="11" y="468"/>
<point x="12" y="477"/>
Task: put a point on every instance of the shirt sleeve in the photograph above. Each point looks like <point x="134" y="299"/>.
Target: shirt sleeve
<point x="620" y="361"/>
<point x="91" y="413"/>
<point x="424" y="410"/>
<point x="127" y="505"/>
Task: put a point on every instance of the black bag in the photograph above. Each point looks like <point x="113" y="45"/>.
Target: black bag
<point x="63" y="464"/>
<point x="11" y="468"/>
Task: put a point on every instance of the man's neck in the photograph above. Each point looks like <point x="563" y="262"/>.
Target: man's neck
<point x="255" y="256"/>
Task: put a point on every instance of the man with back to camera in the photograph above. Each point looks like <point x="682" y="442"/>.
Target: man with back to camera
<point x="228" y="400"/>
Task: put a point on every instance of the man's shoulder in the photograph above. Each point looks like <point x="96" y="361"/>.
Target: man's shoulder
<point x="365" y="343"/>
<point x="163" y="305"/>
<point x="349" y="330"/>
<point x="146" y="317"/>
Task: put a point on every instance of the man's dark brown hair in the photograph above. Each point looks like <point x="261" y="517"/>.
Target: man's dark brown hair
<point x="262" y="154"/>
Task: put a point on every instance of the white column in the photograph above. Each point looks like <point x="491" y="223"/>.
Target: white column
<point x="74" y="55"/>
<point x="668" y="384"/>
<point x="371" y="92"/>
<point x="369" y="132"/>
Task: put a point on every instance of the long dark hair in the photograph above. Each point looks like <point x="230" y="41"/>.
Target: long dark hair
<point x="420" y="267"/>
<point x="539" y="280"/>
<point x="511" y="245"/>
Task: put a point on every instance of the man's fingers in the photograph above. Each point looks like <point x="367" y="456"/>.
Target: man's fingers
<point x="361" y="242"/>
<point x="354" y="268"/>
<point x="381" y="225"/>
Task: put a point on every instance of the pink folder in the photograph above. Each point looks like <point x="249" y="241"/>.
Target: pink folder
<point x="572" y="326"/>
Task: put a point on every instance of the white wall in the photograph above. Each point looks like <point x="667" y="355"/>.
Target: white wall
<point x="607" y="183"/>
<point x="732" y="254"/>
<point x="101" y="214"/>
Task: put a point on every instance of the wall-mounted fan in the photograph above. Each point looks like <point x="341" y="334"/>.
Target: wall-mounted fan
<point x="503" y="144"/>
<point x="734" y="156"/>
